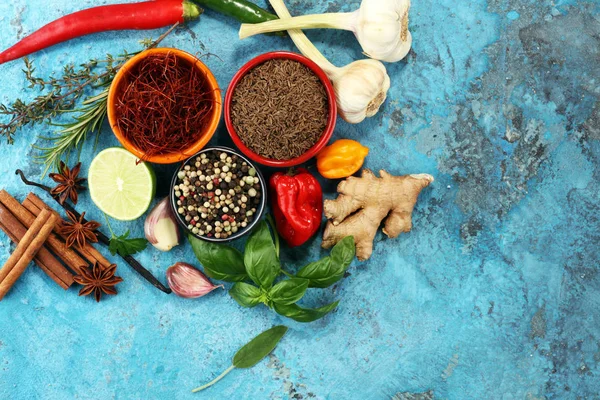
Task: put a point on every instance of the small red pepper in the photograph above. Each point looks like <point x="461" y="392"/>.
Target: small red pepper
<point x="297" y="200"/>
<point x="145" y="15"/>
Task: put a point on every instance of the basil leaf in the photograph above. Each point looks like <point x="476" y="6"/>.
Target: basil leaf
<point x="343" y="253"/>
<point x="246" y="295"/>
<point x="330" y="270"/>
<point x="289" y="291"/>
<point x="300" y="314"/>
<point x="259" y="347"/>
<point x="321" y="274"/>
<point x="260" y="258"/>
<point x="220" y="262"/>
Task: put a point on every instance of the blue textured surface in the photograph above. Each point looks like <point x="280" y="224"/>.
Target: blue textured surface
<point x="494" y="295"/>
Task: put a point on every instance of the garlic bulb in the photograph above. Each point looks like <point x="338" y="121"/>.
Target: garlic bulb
<point x="161" y="227"/>
<point x="188" y="282"/>
<point x="360" y="87"/>
<point x="381" y="27"/>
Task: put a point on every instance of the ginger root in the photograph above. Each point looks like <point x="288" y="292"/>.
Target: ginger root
<point x="364" y="202"/>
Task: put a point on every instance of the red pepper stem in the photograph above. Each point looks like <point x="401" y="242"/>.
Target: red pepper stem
<point x="291" y="171"/>
<point x="191" y="10"/>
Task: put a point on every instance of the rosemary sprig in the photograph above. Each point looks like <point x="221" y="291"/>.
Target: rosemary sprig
<point x="61" y="94"/>
<point x="60" y="97"/>
<point x="71" y="136"/>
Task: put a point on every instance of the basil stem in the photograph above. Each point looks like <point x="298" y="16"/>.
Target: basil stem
<point x="217" y="379"/>
<point x="271" y="222"/>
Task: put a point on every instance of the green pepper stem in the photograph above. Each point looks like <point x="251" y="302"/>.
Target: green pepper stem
<point x="217" y="379"/>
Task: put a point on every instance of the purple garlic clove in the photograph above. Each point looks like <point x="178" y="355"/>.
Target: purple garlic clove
<point x="161" y="227"/>
<point x="188" y="282"/>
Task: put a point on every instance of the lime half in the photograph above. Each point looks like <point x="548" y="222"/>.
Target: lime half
<point x="120" y="187"/>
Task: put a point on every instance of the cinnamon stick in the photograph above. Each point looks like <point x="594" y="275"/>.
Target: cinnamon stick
<point x="26" y="250"/>
<point x="43" y="259"/>
<point x="34" y="205"/>
<point x="54" y="243"/>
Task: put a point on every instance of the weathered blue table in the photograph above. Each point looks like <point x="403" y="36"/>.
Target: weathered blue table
<point x="494" y="295"/>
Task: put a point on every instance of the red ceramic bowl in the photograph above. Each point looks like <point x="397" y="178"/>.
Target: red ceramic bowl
<point x="312" y="152"/>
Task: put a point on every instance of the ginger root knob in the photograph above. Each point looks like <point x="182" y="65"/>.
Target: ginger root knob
<point x="364" y="202"/>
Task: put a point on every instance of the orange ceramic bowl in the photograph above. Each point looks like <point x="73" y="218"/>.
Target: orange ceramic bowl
<point x="203" y="137"/>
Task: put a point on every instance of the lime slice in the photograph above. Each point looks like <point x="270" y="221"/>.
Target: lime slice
<point x="118" y="186"/>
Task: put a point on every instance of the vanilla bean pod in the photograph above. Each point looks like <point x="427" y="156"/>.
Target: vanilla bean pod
<point x="102" y="238"/>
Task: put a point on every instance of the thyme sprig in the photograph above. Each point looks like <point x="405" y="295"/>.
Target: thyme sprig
<point x="60" y="95"/>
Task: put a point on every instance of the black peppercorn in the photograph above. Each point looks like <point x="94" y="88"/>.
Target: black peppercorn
<point x="221" y="210"/>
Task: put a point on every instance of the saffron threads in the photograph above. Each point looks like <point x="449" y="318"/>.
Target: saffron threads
<point x="165" y="105"/>
<point x="280" y="109"/>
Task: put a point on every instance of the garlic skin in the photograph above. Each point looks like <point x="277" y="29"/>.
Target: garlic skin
<point x="188" y="282"/>
<point x="361" y="88"/>
<point x="161" y="228"/>
<point x="380" y="26"/>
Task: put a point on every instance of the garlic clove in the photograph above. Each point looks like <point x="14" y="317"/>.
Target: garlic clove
<point x="188" y="282"/>
<point x="161" y="228"/>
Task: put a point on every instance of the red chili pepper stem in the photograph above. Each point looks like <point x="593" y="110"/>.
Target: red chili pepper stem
<point x="191" y="11"/>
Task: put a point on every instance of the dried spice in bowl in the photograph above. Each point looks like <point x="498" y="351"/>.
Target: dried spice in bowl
<point x="218" y="195"/>
<point x="165" y="103"/>
<point x="280" y="109"/>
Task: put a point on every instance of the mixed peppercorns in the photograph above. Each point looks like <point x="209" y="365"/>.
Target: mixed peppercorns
<point x="217" y="194"/>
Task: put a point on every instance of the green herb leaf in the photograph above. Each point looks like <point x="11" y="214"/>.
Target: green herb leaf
<point x="220" y="262"/>
<point x="344" y="252"/>
<point x="330" y="270"/>
<point x="124" y="246"/>
<point x="259" y="347"/>
<point x="260" y="258"/>
<point x="289" y="291"/>
<point x="251" y="354"/>
<point x="300" y="314"/>
<point x="246" y="295"/>
<point x="321" y="274"/>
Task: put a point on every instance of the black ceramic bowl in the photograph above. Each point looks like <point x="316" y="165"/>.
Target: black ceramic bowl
<point x="260" y="209"/>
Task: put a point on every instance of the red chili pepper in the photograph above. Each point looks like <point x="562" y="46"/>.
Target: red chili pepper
<point x="297" y="205"/>
<point x="146" y="15"/>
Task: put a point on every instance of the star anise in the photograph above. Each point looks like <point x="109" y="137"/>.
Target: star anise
<point x="68" y="183"/>
<point x="96" y="280"/>
<point x="78" y="231"/>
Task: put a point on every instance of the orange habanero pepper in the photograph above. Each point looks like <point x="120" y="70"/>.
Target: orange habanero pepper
<point x="342" y="159"/>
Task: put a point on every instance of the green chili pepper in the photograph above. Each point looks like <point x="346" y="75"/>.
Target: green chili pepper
<point x="242" y="10"/>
